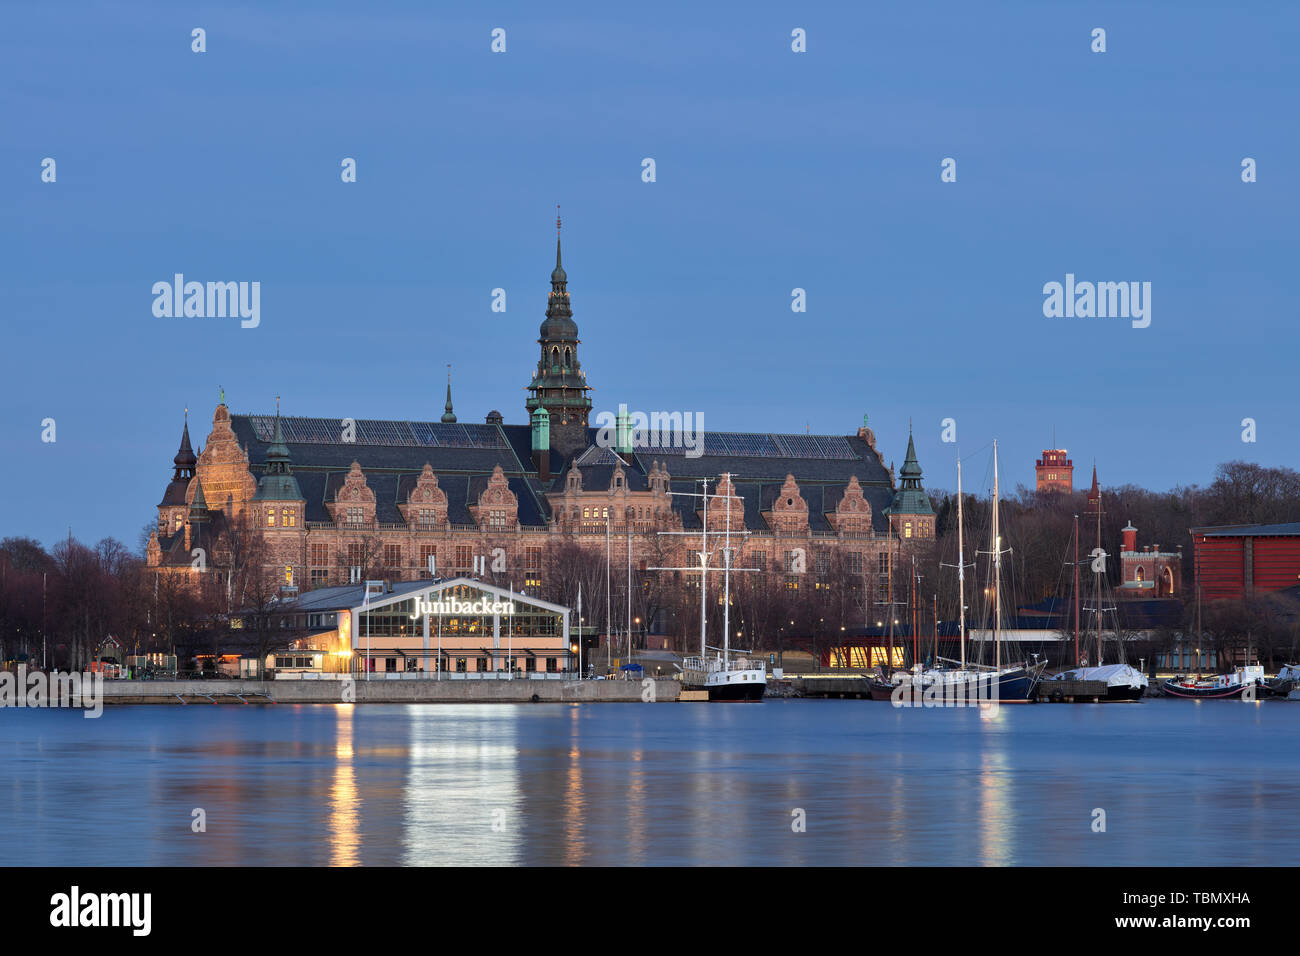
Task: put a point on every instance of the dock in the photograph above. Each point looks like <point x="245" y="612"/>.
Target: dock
<point x="840" y="686"/>
<point x="237" y="693"/>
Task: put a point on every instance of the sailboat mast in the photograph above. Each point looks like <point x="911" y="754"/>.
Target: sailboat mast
<point x="609" y="621"/>
<point x="1076" y="590"/>
<point x="726" y="583"/>
<point x="916" y="646"/>
<point x="628" y="522"/>
<point x="1099" y="574"/>
<point x="997" y="569"/>
<point x="961" y="574"/>
<point x="889" y="578"/>
<point x="704" y="564"/>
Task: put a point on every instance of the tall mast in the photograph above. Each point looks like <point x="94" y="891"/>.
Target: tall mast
<point x="961" y="574"/>
<point x="916" y="640"/>
<point x="1100" y="572"/>
<point x="704" y="577"/>
<point x="997" y="569"/>
<point x="889" y="578"/>
<point x="609" y="621"/>
<point x="726" y="581"/>
<point x="1076" y="590"/>
<point x="628" y="522"/>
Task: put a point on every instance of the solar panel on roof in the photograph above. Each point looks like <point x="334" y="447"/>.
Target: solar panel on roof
<point x="329" y="431"/>
<point x="835" y="446"/>
<point x="714" y="444"/>
<point x="383" y="433"/>
<point x="799" y="446"/>
<point x="749" y="444"/>
<point x="423" y="433"/>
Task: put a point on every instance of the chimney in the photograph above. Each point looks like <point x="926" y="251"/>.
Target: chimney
<point x="542" y="443"/>
<point x="1130" y="537"/>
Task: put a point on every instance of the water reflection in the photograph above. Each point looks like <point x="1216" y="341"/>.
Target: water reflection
<point x="345" y="837"/>
<point x="634" y="784"/>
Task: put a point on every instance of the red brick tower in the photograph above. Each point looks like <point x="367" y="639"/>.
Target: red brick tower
<point x="1055" y="471"/>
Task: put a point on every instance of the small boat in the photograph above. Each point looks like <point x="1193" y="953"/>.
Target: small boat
<point x="725" y="678"/>
<point x="1123" y="682"/>
<point x="1287" y="680"/>
<point x="1243" y="680"/>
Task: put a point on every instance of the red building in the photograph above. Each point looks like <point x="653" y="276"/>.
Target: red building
<point x="1236" y="561"/>
<point x="1055" y="471"/>
<point x="1149" y="572"/>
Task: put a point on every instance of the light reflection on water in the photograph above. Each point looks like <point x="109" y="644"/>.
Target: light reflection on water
<point x="635" y="784"/>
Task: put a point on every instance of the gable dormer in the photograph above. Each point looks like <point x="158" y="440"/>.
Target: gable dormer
<point x="354" y="502"/>
<point x="426" y="505"/>
<point x="573" y="480"/>
<point x="853" y="513"/>
<point x="618" y="481"/>
<point x="498" y="506"/>
<point x="726" y="508"/>
<point x="789" y="510"/>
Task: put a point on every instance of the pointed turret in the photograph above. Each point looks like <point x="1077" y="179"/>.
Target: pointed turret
<point x="199" y="505"/>
<point x="185" y="459"/>
<point x="911" y="511"/>
<point x="448" y="416"/>
<point x="277" y="482"/>
<point x="182" y="472"/>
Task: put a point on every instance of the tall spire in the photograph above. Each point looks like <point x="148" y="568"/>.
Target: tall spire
<point x="558" y="278"/>
<point x="185" y="459"/>
<point x="559" y="385"/>
<point x="448" y="416"/>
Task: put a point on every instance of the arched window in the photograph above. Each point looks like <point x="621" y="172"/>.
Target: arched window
<point x="555" y="356"/>
<point x="567" y="357"/>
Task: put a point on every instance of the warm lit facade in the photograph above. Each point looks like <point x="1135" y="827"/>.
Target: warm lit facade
<point x="340" y="501"/>
<point x="1055" y="470"/>
<point x="1149" y="572"/>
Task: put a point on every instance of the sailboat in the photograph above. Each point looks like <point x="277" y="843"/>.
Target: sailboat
<point x="1123" y="681"/>
<point x="964" y="679"/>
<point x="726" y="675"/>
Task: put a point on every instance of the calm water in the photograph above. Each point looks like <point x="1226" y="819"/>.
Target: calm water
<point x="1181" y="783"/>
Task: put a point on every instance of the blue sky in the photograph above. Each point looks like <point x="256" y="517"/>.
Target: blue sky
<point x="775" y="170"/>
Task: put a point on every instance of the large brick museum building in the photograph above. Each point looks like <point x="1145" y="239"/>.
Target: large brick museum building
<point x="337" y="501"/>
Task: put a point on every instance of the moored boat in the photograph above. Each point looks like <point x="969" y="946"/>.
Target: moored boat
<point x="1246" y="681"/>
<point x="736" y="678"/>
<point x="1123" y="682"/>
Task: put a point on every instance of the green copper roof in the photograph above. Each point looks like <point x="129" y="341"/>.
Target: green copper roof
<point x="199" y="506"/>
<point x="277" y="482"/>
<point x="910" y="499"/>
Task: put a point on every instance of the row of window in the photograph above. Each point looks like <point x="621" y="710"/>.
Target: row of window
<point x="482" y="665"/>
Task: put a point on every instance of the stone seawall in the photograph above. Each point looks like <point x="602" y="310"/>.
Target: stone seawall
<point x="239" y="692"/>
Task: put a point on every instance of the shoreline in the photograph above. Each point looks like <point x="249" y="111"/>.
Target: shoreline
<point x="239" y="692"/>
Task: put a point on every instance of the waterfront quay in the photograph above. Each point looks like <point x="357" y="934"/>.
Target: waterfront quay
<point x="362" y="691"/>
